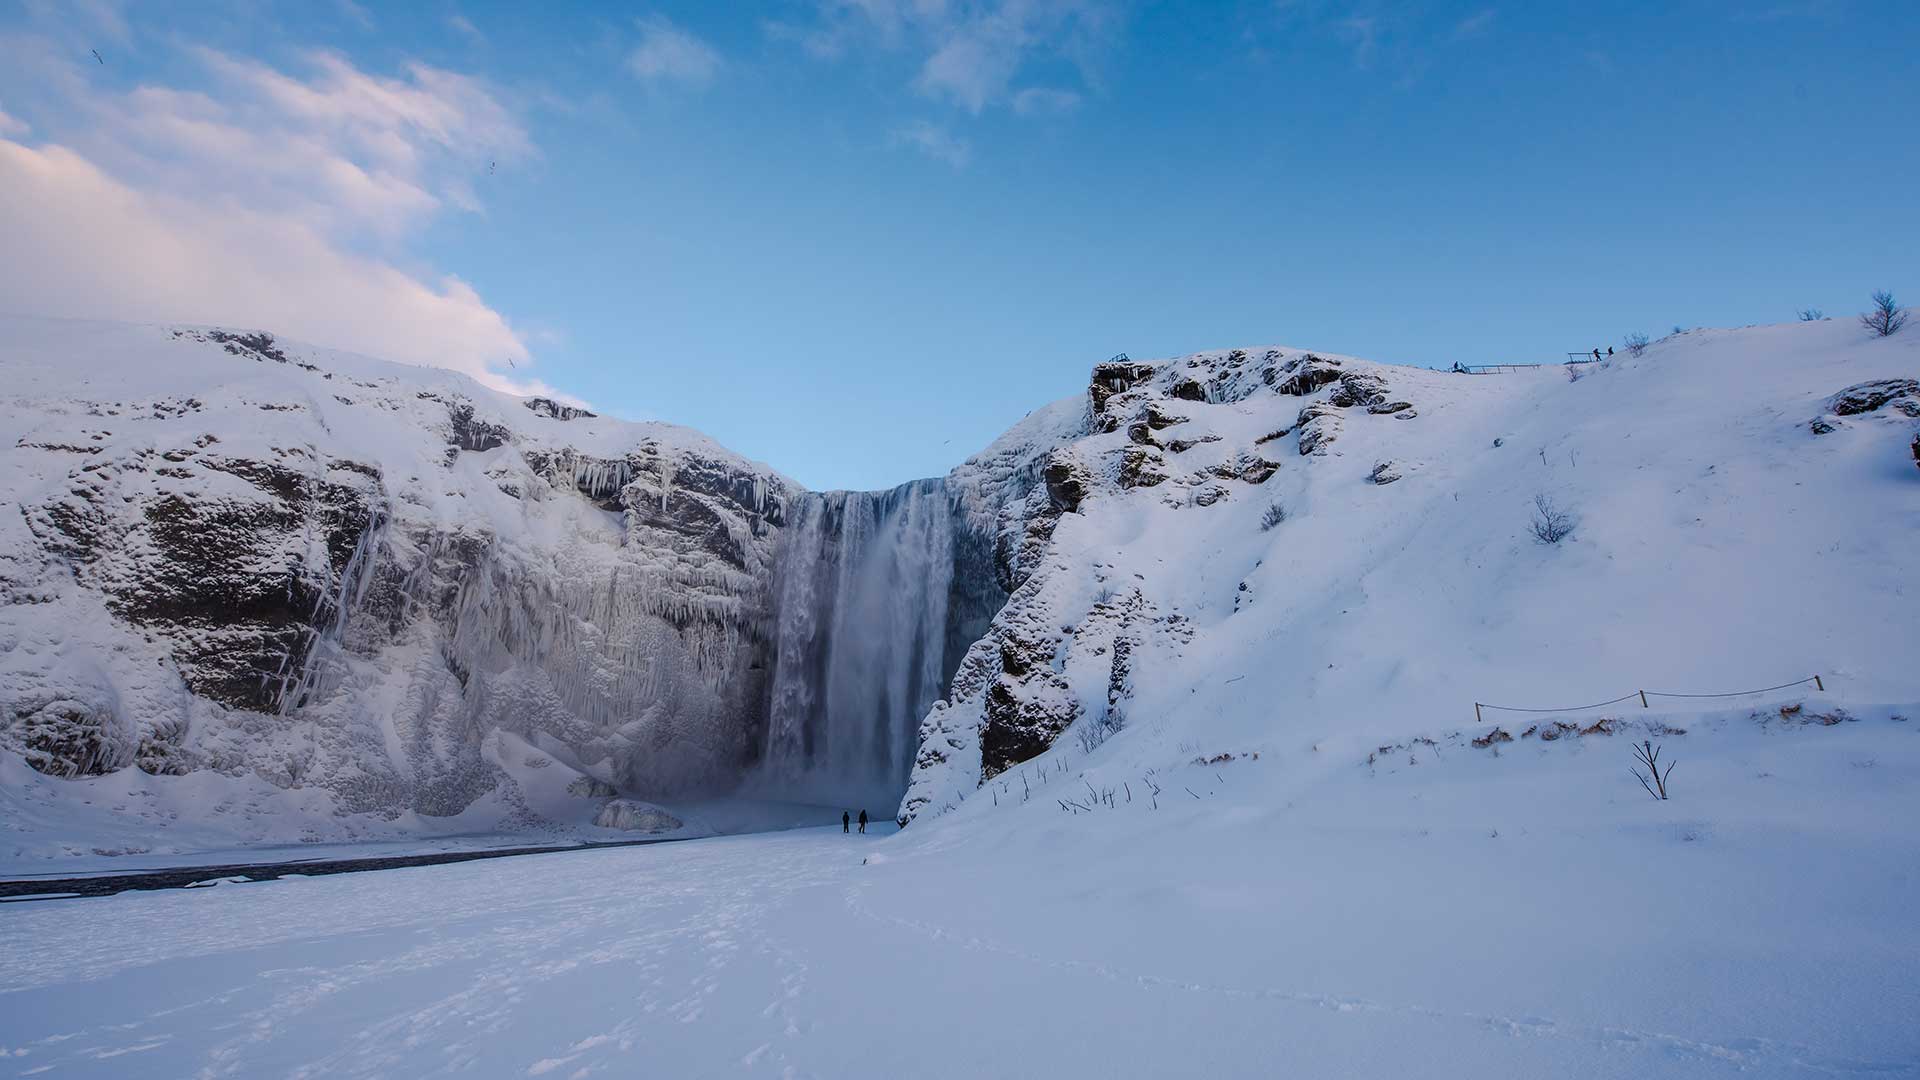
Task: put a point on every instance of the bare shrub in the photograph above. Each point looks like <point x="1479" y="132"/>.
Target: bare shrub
<point x="1655" y="779"/>
<point x="1274" y="515"/>
<point x="1550" y="523"/>
<point x="1886" y="317"/>
<point x="1095" y="731"/>
<point x="1812" y="314"/>
<point x="1637" y="342"/>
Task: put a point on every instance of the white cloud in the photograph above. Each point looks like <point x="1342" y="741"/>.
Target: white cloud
<point x="11" y="126"/>
<point x="974" y="50"/>
<point x="667" y="53"/>
<point x="100" y="248"/>
<point x="464" y="25"/>
<point x="936" y="142"/>
<point x="269" y="201"/>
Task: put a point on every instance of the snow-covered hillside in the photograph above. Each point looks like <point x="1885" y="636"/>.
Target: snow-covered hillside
<point x="1261" y="548"/>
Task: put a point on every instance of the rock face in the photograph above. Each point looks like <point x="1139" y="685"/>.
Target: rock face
<point x="1062" y="652"/>
<point x="239" y="555"/>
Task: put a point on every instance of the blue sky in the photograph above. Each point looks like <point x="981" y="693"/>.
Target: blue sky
<point x="858" y="238"/>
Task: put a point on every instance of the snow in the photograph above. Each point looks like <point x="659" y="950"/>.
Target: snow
<point x="1528" y="914"/>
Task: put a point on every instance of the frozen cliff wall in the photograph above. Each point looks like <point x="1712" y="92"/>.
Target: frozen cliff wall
<point x="239" y="557"/>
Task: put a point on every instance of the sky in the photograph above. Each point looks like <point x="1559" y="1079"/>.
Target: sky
<point x="857" y="239"/>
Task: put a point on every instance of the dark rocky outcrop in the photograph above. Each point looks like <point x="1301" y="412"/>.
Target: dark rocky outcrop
<point x="1358" y="388"/>
<point x="1141" y="467"/>
<point x="1318" y="425"/>
<point x="542" y="406"/>
<point x="1113" y="378"/>
<point x="1068" y="481"/>
<point x="1866" y="397"/>
<point x="469" y="433"/>
<point x="1305" y="374"/>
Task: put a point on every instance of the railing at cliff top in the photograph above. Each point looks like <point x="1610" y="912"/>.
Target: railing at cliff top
<point x="1643" y="695"/>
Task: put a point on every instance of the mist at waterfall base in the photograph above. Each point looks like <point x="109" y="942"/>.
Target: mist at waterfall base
<point x="875" y="602"/>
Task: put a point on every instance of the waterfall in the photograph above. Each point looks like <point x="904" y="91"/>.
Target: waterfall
<point x="861" y="599"/>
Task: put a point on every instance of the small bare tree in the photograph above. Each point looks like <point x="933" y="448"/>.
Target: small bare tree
<point x="1812" y="314"/>
<point x="1636" y="343"/>
<point x="1886" y="317"/>
<point x="1274" y="515"/>
<point x="1655" y="778"/>
<point x="1550" y="523"/>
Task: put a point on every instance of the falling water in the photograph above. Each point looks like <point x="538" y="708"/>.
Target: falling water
<point x="861" y="594"/>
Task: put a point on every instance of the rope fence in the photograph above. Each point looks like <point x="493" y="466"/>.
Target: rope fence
<point x="1643" y="695"/>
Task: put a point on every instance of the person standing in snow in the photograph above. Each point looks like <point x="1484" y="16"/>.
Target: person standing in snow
<point x="863" y="821"/>
<point x="844" y="819"/>
<point x="1596" y="354"/>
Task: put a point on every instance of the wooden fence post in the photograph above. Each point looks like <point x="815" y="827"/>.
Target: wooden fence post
<point x="1643" y="699"/>
<point x="1476" y="714"/>
<point x="1818" y="685"/>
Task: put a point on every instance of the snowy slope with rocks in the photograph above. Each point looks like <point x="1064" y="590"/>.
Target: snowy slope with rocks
<point x="1263" y="544"/>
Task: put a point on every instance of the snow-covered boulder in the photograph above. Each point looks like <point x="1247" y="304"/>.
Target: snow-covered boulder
<point x="633" y="816"/>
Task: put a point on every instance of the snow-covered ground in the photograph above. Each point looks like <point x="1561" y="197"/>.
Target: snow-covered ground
<point x="1530" y="913"/>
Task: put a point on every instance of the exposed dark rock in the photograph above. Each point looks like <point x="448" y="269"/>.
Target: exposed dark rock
<point x="1141" y="467"/>
<point x="1358" y="388"/>
<point x="548" y="407"/>
<point x="1248" y="467"/>
<point x="1158" y="416"/>
<point x="1189" y="390"/>
<point x="1387" y="407"/>
<point x="69" y="738"/>
<point x="1386" y="472"/>
<point x="1068" y="481"/>
<point x="1112" y="378"/>
<point x="472" y="434"/>
<point x="1181" y="446"/>
<point x="1820" y="425"/>
<point x="1868" y="396"/>
<point x="1304" y="374"/>
<point x="1141" y="432"/>
<point x="1318" y="425"/>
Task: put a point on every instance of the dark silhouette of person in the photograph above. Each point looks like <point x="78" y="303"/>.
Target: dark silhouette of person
<point x="863" y="821"/>
<point x="1596" y="354"/>
<point x="844" y="819"/>
<point x="1609" y="350"/>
